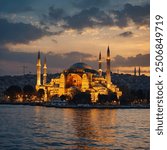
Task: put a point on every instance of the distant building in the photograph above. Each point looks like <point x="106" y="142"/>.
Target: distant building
<point x="79" y="76"/>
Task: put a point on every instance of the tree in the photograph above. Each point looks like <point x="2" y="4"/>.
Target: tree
<point x="63" y="97"/>
<point x="28" y="91"/>
<point x="102" y="99"/>
<point x="82" y="98"/>
<point x="12" y="92"/>
<point x="123" y="100"/>
<point x="140" y="94"/>
<point x="148" y="96"/>
<point x="132" y="94"/>
<point x="112" y="97"/>
<point x="40" y="93"/>
<point x="126" y="92"/>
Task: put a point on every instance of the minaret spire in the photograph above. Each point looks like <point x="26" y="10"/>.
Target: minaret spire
<point x="135" y="71"/>
<point x="139" y="71"/>
<point x="44" y="72"/>
<point x="100" y="65"/>
<point x="38" y="70"/>
<point x="108" y="52"/>
<point x="108" y="74"/>
<point x="38" y="55"/>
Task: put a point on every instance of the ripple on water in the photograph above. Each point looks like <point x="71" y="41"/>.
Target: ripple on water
<point x="25" y="127"/>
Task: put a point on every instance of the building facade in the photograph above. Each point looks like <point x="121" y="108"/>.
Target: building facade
<point x="79" y="77"/>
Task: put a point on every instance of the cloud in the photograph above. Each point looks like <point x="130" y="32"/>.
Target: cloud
<point x="65" y="60"/>
<point x="19" y="32"/>
<point x="138" y="60"/>
<point x="90" y="3"/>
<point x="60" y="60"/>
<point x="16" y="6"/>
<point x="22" y="57"/>
<point x="91" y="17"/>
<point x="56" y="13"/>
<point x="95" y="17"/>
<point x="140" y="15"/>
<point x="126" y="34"/>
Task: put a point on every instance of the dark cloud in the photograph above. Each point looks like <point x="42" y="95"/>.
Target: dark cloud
<point x="15" y="6"/>
<point x="88" y="18"/>
<point x="126" y="34"/>
<point x="53" y="60"/>
<point x="140" y="15"/>
<point x="138" y="60"/>
<point x="90" y="3"/>
<point x="21" y="57"/>
<point x="95" y="17"/>
<point x="19" y="32"/>
<point x="64" y="61"/>
<point x="56" y="13"/>
<point x="67" y="59"/>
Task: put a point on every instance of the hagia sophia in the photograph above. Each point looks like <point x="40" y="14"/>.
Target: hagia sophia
<point x="79" y="76"/>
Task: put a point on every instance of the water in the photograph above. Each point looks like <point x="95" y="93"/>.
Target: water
<point x="33" y="127"/>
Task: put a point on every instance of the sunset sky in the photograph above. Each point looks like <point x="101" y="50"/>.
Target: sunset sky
<point x="69" y="31"/>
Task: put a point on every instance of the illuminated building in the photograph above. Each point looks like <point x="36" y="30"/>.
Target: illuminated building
<point x="79" y="77"/>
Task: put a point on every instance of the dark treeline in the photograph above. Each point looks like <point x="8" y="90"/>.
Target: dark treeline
<point x="134" y="96"/>
<point x="130" y="96"/>
<point x="16" y="93"/>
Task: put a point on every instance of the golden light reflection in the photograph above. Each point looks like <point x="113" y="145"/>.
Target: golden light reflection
<point x="88" y="126"/>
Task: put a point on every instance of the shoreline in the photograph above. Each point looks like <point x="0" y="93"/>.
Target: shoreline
<point x="83" y="106"/>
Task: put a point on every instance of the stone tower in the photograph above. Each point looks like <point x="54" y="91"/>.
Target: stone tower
<point x="108" y="74"/>
<point x="100" y="65"/>
<point x="62" y="84"/>
<point x="38" y="70"/>
<point x="44" y="72"/>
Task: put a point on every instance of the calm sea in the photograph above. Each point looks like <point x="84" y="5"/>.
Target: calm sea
<point x="34" y="127"/>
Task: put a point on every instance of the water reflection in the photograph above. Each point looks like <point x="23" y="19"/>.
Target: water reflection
<point x="50" y="128"/>
<point x="92" y="127"/>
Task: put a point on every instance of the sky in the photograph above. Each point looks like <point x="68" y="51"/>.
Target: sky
<point x="70" y="31"/>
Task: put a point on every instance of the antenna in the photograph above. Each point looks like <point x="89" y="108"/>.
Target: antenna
<point x="80" y="60"/>
<point x="24" y="69"/>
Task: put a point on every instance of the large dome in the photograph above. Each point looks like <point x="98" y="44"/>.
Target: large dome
<point x="80" y="65"/>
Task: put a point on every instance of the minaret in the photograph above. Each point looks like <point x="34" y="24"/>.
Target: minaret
<point x="39" y="70"/>
<point x="100" y="65"/>
<point x="44" y="72"/>
<point x="108" y="74"/>
<point x="135" y="71"/>
<point x="139" y="71"/>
